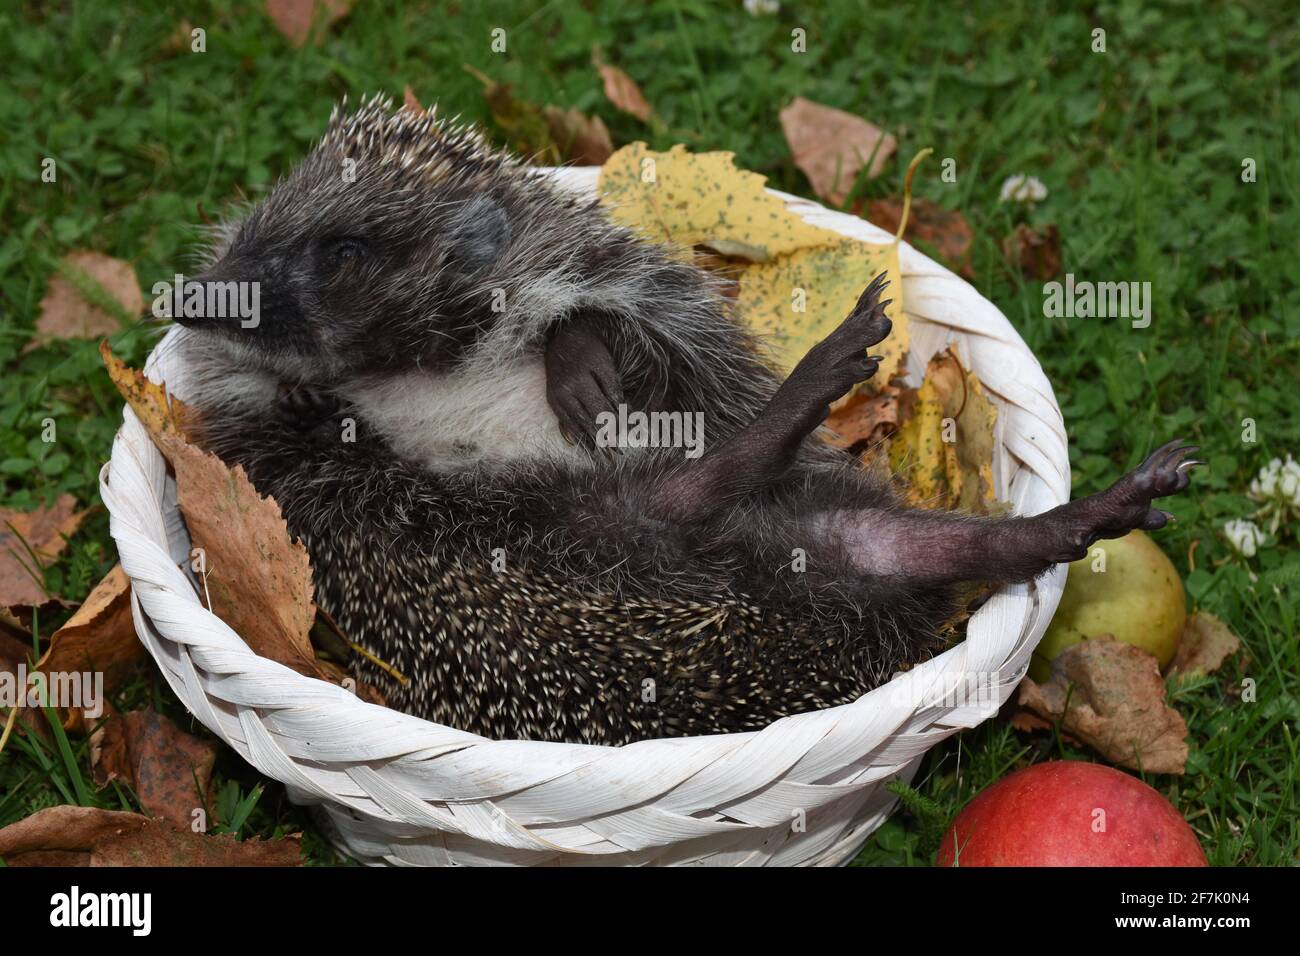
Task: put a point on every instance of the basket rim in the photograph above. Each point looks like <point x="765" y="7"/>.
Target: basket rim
<point x="177" y="629"/>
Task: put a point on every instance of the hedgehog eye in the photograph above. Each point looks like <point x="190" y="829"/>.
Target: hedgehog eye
<point x="347" y="249"/>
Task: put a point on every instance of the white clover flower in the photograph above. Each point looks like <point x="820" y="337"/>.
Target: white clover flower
<point x="1022" y="188"/>
<point x="1265" y="483"/>
<point x="1244" y="536"/>
<point x="757" y="8"/>
<point x="1277" y="489"/>
<point x="1288" y="483"/>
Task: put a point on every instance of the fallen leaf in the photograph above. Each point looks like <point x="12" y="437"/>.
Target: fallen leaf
<point x="689" y="199"/>
<point x="801" y="281"/>
<point x="168" y="769"/>
<point x="944" y="448"/>
<point x="44" y="531"/>
<point x="14" y="679"/>
<point x="99" y="638"/>
<point x="582" y="140"/>
<point x="799" y="298"/>
<point x="295" y="18"/>
<point x="621" y="89"/>
<point x="1036" y="254"/>
<point x="546" y="135"/>
<point x="89" y="836"/>
<point x="409" y="101"/>
<point x="257" y="578"/>
<point x="1116" y="704"/>
<point x="831" y="147"/>
<point x="943" y="230"/>
<point x="180" y="40"/>
<point x="66" y="314"/>
<point x="866" y="417"/>
<point x="1206" y="643"/>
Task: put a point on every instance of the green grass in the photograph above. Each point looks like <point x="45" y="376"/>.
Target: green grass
<point x="1141" y="148"/>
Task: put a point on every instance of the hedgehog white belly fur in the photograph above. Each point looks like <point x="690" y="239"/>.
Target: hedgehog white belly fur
<point x="463" y="419"/>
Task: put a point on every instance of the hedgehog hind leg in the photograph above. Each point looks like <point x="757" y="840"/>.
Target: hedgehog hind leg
<point x="937" y="548"/>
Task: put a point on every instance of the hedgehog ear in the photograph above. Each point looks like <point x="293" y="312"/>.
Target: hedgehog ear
<point x="478" y="236"/>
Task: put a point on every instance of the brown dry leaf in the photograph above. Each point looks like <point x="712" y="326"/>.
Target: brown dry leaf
<point x="168" y="769"/>
<point x="831" y="147"/>
<point x="866" y="417"/>
<point x="947" y="232"/>
<point x="14" y="655"/>
<point x="944" y="449"/>
<point x="44" y="531"/>
<point x="295" y="18"/>
<point x="1036" y="254"/>
<point x="66" y="315"/>
<point x="88" y="836"/>
<point x="99" y="637"/>
<point x="258" y="578"/>
<point x="547" y="135"/>
<point x="1116" y="701"/>
<point x="582" y="140"/>
<point x="409" y="101"/>
<point x="1206" y="643"/>
<point x="621" y="89"/>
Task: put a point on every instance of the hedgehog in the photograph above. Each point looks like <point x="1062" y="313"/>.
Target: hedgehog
<point x="441" y="330"/>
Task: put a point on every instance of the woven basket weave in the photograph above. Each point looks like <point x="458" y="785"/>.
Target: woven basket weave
<point x="808" y="789"/>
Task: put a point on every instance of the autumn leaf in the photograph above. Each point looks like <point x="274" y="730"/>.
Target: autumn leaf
<point x="295" y="19"/>
<point x="168" y="769"/>
<point x="66" y="313"/>
<point x="257" y="578"/>
<point x="1111" y="696"/>
<point x="89" y="836"/>
<point x="581" y="140"/>
<point x="1036" y="253"/>
<point x="547" y="135"/>
<point x="944" y="450"/>
<point x="621" y="89"/>
<point x="928" y="223"/>
<point x="410" y="102"/>
<point x="99" y="637"/>
<point x="801" y="281"/>
<point x="689" y="199"/>
<point x="831" y="147"/>
<point x="799" y="298"/>
<point x="14" y="657"/>
<point x="1206" y="643"/>
<point x="866" y="417"/>
<point x="30" y="541"/>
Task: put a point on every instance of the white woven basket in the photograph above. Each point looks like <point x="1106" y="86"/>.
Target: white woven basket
<point x="808" y="789"/>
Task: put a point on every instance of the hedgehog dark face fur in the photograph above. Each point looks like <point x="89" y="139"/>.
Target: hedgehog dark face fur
<point x="471" y="320"/>
<point x="375" y="249"/>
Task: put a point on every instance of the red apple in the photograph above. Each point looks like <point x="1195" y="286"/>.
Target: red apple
<point x="1068" y="813"/>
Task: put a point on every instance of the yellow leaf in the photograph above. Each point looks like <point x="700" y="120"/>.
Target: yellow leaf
<point x="945" y="450"/>
<point x="798" y="299"/>
<point x="689" y="199"/>
<point x="801" y="281"/>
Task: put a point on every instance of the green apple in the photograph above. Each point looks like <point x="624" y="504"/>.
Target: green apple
<point x="1127" y="588"/>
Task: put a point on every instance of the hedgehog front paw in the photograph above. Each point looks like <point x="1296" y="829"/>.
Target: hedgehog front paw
<point x="582" y="381"/>
<point x="305" y="406"/>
